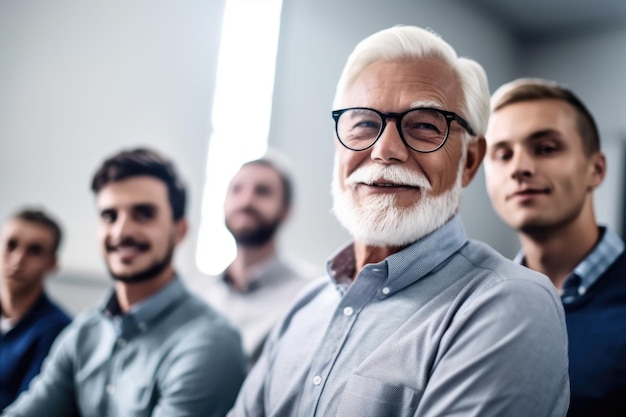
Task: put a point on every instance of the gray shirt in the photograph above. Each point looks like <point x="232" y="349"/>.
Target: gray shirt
<point x="171" y="356"/>
<point x="445" y="327"/>
<point x="272" y="288"/>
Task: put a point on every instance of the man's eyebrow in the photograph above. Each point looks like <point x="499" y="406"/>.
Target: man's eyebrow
<point x="144" y="207"/>
<point x="540" y="134"/>
<point x="533" y="137"/>
<point x="36" y="246"/>
<point x="425" y="103"/>
<point x="499" y="144"/>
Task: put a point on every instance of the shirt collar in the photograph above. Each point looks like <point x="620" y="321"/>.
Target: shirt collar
<point x="143" y="313"/>
<point x="406" y="266"/>
<point x="606" y="251"/>
<point x="259" y="275"/>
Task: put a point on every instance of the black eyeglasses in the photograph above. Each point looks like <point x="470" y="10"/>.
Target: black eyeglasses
<point x="421" y="129"/>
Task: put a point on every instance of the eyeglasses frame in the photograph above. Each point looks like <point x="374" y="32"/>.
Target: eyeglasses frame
<point x="449" y="116"/>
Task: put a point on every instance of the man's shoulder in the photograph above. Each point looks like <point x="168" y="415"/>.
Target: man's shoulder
<point x="618" y="267"/>
<point x="300" y="268"/>
<point x="48" y="313"/>
<point x="492" y="267"/>
<point x="195" y="315"/>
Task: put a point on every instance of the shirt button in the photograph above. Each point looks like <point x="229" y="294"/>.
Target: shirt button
<point x="386" y="290"/>
<point x="582" y="290"/>
<point x="317" y="380"/>
<point x="348" y="311"/>
<point x="110" y="389"/>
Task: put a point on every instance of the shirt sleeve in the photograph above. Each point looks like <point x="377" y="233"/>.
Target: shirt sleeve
<point x="41" y="351"/>
<point x="201" y="378"/>
<point x="505" y="354"/>
<point x="51" y="392"/>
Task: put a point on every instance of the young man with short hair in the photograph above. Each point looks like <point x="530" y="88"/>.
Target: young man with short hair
<point x="30" y="320"/>
<point x="542" y="166"/>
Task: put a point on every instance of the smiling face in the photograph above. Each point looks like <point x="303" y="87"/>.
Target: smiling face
<point x="136" y="229"/>
<point x="27" y="256"/>
<point x="390" y="195"/>
<point x="538" y="175"/>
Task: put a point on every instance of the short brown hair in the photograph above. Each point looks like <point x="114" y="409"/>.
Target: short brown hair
<point x="41" y="218"/>
<point x="143" y="161"/>
<point x="528" y="89"/>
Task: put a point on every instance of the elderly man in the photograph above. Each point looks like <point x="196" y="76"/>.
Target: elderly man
<point x="151" y="348"/>
<point x="543" y="164"/>
<point x="414" y="318"/>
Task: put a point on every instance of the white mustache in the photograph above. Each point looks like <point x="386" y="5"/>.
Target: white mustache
<point x="389" y="173"/>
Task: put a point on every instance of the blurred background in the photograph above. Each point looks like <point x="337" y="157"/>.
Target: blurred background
<point x="80" y="81"/>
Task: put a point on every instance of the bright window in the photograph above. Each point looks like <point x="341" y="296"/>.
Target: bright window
<point x="242" y="109"/>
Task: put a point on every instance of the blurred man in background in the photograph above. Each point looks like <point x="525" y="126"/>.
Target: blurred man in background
<point x="30" y="321"/>
<point x="256" y="288"/>
<point x="542" y="167"/>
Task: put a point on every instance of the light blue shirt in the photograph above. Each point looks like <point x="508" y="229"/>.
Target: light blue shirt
<point x="171" y="356"/>
<point x="445" y="327"/>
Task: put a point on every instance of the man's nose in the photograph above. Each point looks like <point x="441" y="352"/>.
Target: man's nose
<point x="16" y="258"/>
<point x="390" y="148"/>
<point x="523" y="166"/>
<point x="122" y="228"/>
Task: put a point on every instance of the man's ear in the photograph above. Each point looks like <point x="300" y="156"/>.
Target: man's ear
<point x="54" y="265"/>
<point x="473" y="157"/>
<point x="182" y="227"/>
<point x="598" y="169"/>
<point x="285" y="214"/>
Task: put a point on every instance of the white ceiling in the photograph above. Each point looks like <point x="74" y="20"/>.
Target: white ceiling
<point x="537" y="19"/>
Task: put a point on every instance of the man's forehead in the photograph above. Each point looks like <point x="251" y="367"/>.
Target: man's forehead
<point x="524" y="119"/>
<point x="424" y="82"/>
<point x="26" y="230"/>
<point x="133" y="191"/>
<point x="256" y="174"/>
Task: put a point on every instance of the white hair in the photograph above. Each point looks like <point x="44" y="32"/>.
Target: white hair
<point x="409" y="43"/>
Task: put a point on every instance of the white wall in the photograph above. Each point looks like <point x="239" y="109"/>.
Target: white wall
<point x="81" y="80"/>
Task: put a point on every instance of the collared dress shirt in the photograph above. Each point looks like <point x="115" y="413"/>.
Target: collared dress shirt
<point x="594" y="298"/>
<point x="445" y="327"/>
<point x="25" y="345"/>
<point x="272" y="288"/>
<point x="171" y="356"/>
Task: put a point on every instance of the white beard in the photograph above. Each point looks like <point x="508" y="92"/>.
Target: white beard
<point x="376" y="220"/>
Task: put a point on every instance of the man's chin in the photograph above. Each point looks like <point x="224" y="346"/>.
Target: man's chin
<point x="380" y="223"/>
<point x="129" y="276"/>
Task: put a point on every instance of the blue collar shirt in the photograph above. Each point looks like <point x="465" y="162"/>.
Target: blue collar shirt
<point x="446" y="326"/>
<point x="171" y="356"/>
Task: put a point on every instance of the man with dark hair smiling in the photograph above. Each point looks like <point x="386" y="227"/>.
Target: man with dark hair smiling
<point x="260" y="283"/>
<point x="151" y="348"/>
